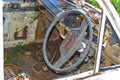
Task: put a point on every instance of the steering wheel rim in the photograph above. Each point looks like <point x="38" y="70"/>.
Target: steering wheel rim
<point x="58" y="17"/>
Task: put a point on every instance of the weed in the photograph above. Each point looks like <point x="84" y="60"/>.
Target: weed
<point x="19" y="50"/>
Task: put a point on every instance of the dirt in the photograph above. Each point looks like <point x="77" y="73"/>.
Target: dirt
<point x="27" y="62"/>
<point x="34" y="55"/>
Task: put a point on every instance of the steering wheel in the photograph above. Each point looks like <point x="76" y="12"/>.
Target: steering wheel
<point x="71" y="43"/>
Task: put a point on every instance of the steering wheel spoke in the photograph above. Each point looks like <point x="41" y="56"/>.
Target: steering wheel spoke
<point x="75" y="29"/>
<point x="68" y="43"/>
<point x="60" y="62"/>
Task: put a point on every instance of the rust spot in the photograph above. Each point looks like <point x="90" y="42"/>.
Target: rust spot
<point x="69" y="41"/>
<point x="24" y="34"/>
<point x="91" y="75"/>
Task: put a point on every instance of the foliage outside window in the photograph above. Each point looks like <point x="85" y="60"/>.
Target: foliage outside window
<point x="116" y="4"/>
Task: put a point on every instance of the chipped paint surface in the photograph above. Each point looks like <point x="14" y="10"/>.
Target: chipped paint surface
<point x="19" y="27"/>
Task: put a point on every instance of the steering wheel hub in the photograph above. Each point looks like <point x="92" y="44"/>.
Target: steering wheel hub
<point x="68" y="42"/>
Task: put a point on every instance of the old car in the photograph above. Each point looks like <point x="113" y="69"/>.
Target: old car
<point x="76" y="40"/>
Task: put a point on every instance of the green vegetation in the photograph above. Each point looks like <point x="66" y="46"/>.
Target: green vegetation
<point x="116" y="4"/>
<point x="19" y="50"/>
<point x="94" y="3"/>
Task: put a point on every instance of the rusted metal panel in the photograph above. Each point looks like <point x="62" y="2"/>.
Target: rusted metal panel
<point x="23" y="36"/>
<point x="19" y="27"/>
<point x="44" y="10"/>
<point x="42" y="26"/>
